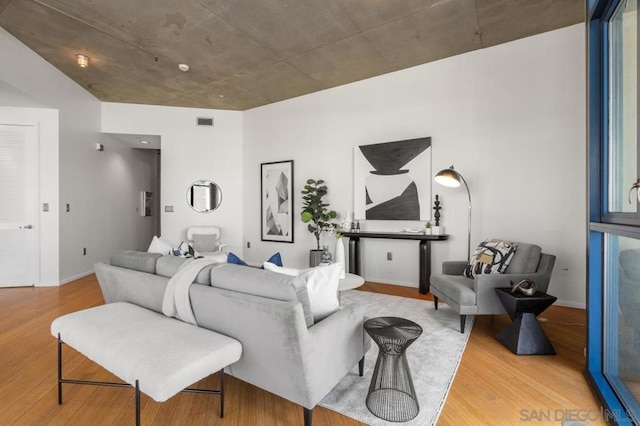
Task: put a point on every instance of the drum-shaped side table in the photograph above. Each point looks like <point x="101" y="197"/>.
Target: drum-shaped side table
<point x="391" y="394"/>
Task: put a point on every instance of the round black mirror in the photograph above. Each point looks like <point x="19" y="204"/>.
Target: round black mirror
<point x="204" y="196"/>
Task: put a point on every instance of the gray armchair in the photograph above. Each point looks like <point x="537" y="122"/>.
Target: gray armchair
<point x="476" y="296"/>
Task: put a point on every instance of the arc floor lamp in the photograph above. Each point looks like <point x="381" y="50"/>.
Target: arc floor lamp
<point x="451" y="178"/>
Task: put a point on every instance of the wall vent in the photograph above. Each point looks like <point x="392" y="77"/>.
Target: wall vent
<point x="204" y="121"/>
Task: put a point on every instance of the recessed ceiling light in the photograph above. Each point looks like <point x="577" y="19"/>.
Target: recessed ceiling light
<point x="183" y="67"/>
<point x="83" y="60"/>
<point x="144" y="141"/>
<point x="221" y="96"/>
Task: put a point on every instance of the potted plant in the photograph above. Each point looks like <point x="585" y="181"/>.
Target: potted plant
<point x="315" y="214"/>
<point x="427" y="228"/>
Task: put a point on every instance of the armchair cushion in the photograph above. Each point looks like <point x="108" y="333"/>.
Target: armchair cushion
<point x="491" y="256"/>
<point x="455" y="287"/>
<point x="525" y="259"/>
<point x="454" y="267"/>
<point x="205" y="242"/>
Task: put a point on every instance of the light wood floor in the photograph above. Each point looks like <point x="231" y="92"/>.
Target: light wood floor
<point x="492" y="386"/>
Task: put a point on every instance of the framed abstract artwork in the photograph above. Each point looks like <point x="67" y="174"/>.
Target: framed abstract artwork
<point x="392" y="180"/>
<point x="277" y="201"/>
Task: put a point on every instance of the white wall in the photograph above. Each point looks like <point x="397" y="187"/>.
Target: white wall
<point x="72" y="171"/>
<point x="510" y="117"/>
<point x="123" y="173"/>
<point x="10" y="96"/>
<point x="190" y="153"/>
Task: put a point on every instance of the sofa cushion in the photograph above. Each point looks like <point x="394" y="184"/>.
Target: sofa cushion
<point x="491" y="257"/>
<point x="167" y="266"/>
<point x="525" y="259"/>
<point x="136" y="260"/>
<point x="263" y="283"/>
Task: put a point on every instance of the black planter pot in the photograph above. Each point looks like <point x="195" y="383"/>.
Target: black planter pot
<point x="314" y="257"/>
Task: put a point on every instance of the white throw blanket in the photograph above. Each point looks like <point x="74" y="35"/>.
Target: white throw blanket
<point x="176" y="302"/>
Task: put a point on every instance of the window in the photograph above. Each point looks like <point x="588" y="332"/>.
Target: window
<point x="622" y="105"/>
<point x="613" y="341"/>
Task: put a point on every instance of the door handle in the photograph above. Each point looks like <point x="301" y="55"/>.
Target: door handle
<point x="26" y="227"/>
<point x="636" y="186"/>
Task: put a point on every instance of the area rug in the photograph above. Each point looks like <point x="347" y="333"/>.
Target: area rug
<point x="433" y="358"/>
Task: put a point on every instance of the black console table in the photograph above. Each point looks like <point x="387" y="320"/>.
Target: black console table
<point x="424" y="247"/>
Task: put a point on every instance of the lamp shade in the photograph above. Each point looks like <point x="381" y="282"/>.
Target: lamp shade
<point x="448" y="177"/>
<point x="451" y="178"/>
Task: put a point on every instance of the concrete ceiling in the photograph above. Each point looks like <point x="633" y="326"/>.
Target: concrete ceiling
<point x="247" y="53"/>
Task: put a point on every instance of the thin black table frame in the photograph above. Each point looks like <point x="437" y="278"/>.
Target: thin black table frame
<point x="424" y="249"/>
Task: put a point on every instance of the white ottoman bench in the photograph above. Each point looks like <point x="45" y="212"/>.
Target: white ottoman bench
<point x="155" y="354"/>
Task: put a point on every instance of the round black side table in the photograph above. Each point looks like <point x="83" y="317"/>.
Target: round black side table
<point x="392" y="396"/>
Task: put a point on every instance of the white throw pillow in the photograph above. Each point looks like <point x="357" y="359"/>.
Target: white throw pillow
<point x="281" y="269"/>
<point x="160" y="245"/>
<point x="322" y="286"/>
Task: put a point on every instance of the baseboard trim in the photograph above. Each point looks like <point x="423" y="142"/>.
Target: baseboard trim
<point x="569" y="304"/>
<point x="387" y="281"/>
<point x="76" y="277"/>
<point x="48" y="284"/>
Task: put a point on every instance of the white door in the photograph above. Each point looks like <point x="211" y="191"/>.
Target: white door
<point x="19" y="246"/>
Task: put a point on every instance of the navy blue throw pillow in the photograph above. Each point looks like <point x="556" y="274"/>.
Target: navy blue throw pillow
<point x="275" y="259"/>
<point x="232" y="258"/>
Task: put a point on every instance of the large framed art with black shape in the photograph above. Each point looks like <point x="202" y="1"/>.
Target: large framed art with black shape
<point x="392" y="180"/>
<point x="276" y="201"/>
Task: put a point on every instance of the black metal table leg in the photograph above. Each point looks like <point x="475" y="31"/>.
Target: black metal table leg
<point x="59" y="370"/>
<point x="222" y="393"/>
<point x="354" y="255"/>
<point x="425" y="266"/>
<point x="137" y="404"/>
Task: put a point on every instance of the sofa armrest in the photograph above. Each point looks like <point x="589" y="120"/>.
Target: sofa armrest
<point x="341" y="325"/>
<point x="127" y="285"/>
<point x="332" y="348"/>
<point x="453" y="267"/>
